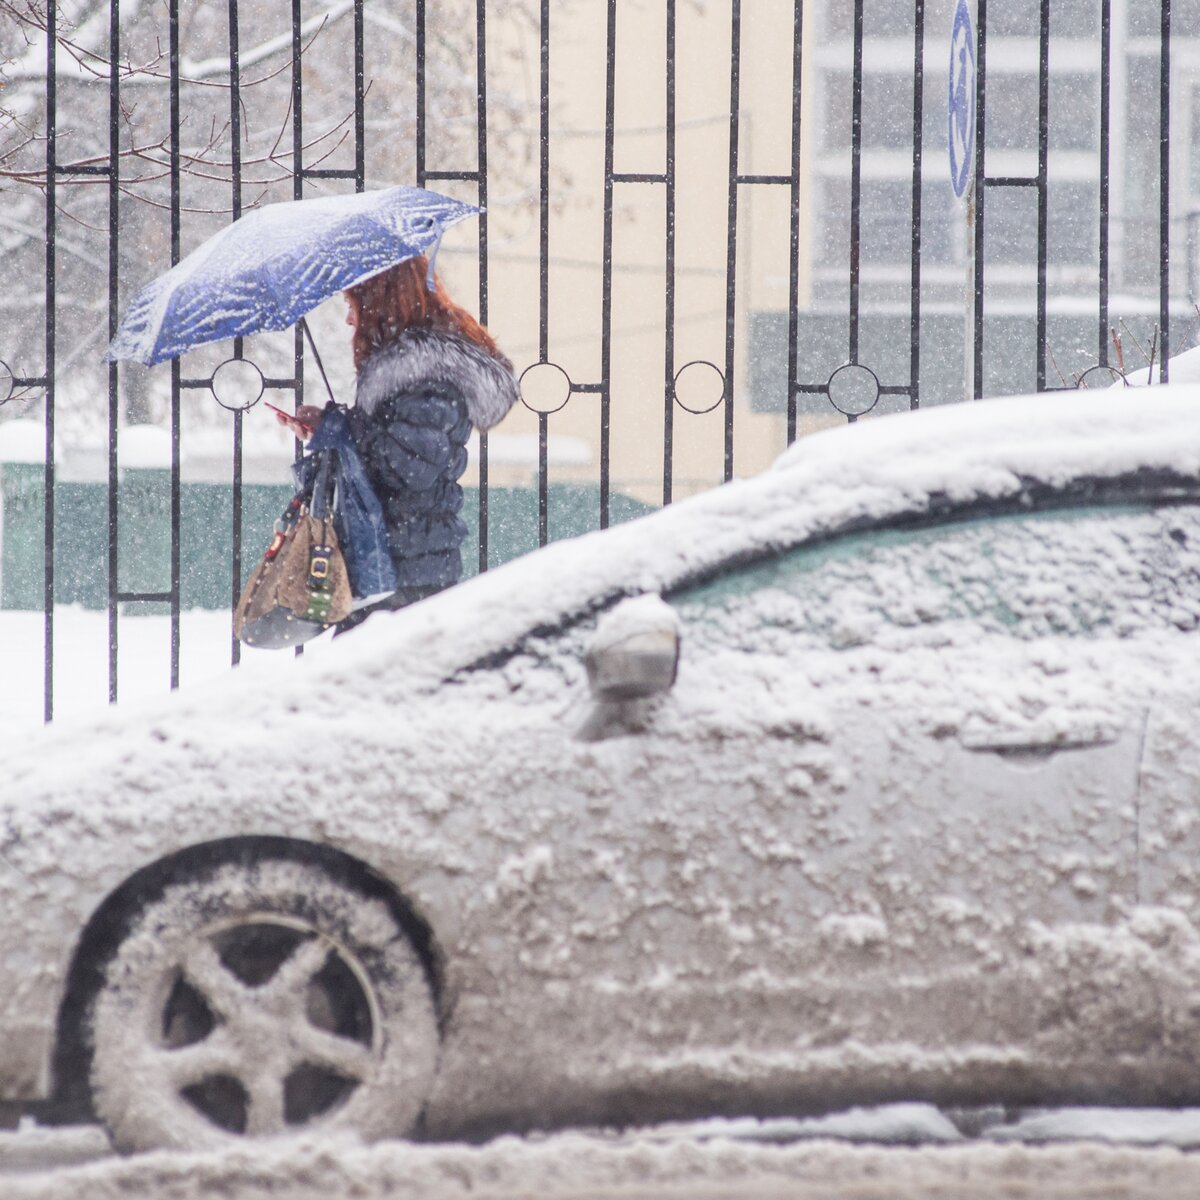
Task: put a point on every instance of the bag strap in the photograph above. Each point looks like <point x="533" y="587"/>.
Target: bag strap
<point x="321" y="500"/>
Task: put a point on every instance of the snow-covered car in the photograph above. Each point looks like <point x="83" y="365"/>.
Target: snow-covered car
<point x="873" y="777"/>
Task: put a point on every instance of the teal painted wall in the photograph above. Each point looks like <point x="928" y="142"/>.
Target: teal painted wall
<point x="205" y="527"/>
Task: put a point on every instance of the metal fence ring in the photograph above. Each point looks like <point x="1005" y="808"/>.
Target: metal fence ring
<point x="856" y="393"/>
<point x="1101" y="371"/>
<point x="699" y="362"/>
<point x="8" y="382"/>
<point x="237" y="377"/>
<point x="545" y="381"/>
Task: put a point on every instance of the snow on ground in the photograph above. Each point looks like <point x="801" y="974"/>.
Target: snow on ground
<point x="33" y="1148"/>
<point x="1119" y="1126"/>
<point x="916" y="1148"/>
<point x="575" y="1166"/>
<point x="81" y="659"/>
<point x="887" y="1124"/>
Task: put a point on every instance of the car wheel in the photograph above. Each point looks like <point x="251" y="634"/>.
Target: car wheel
<point x="259" y="999"/>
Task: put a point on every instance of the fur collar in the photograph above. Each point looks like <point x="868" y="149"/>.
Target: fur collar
<point x="419" y="357"/>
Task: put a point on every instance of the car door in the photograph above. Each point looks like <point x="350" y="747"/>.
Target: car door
<point x="929" y="741"/>
<point x="877" y="840"/>
<point x="1169" y="808"/>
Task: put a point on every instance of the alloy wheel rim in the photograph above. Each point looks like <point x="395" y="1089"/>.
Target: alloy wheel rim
<point x="264" y="1025"/>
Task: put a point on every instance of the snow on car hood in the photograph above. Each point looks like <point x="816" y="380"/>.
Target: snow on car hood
<point x="865" y="472"/>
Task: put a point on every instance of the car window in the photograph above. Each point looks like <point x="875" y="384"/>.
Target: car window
<point x="1098" y="571"/>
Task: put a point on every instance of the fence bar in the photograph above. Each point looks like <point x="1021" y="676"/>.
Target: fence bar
<point x="1043" y="197"/>
<point x="173" y="11"/>
<point x="1164" y="193"/>
<point x="918" y="126"/>
<point x="735" y="86"/>
<point x="360" y="101"/>
<point x="980" y="192"/>
<point x="114" y="398"/>
<point x="235" y="161"/>
<point x="610" y="100"/>
<point x="856" y="179"/>
<point x="297" y="175"/>
<point x="544" y="266"/>
<point x="1105" y="165"/>
<point x="669" y="267"/>
<point x="794" y="218"/>
<point x="419" y="45"/>
<point x="481" y="165"/>
<point x="50" y="337"/>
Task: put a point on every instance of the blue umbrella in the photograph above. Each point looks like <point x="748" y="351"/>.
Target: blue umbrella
<point x="266" y="270"/>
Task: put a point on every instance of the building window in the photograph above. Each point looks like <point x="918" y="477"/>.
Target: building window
<point x="1023" y="18"/>
<point x="1074" y="112"/>
<point x="881" y="18"/>
<point x="1074" y="223"/>
<point x="887" y="111"/>
<point x="1010" y="225"/>
<point x="1145" y="18"/>
<point x="1012" y="111"/>
<point x="885" y="223"/>
<point x="1194" y="156"/>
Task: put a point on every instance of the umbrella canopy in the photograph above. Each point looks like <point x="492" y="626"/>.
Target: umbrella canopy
<point x="266" y="270"/>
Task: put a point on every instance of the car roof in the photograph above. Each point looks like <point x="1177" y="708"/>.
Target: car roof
<point x="944" y="463"/>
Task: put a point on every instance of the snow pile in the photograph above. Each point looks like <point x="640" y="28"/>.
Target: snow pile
<point x="888" y="1125"/>
<point x="583" y="1167"/>
<point x="1182" y="368"/>
<point x="1119" y="1126"/>
<point x="641" y="615"/>
<point x="81" y="662"/>
<point x="32" y="1147"/>
<point x="147" y="447"/>
<point x="22" y="441"/>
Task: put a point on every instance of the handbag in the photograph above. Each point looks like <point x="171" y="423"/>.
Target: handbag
<point x="300" y="586"/>
<point x="358" y="515"/>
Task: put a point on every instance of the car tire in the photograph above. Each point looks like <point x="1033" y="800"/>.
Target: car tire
<point x="259" y="999"/>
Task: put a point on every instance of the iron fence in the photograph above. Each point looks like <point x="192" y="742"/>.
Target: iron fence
<point x="867" y="312"/>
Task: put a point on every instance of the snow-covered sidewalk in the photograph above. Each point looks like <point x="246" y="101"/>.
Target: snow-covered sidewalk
<point x="144" y="658"/>
<point x="683" y="1164"/>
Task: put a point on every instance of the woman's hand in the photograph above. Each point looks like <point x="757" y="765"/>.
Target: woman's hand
<point x="304" y="423"/>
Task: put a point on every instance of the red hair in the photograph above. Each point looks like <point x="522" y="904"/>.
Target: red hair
<point x="399" y="298"/>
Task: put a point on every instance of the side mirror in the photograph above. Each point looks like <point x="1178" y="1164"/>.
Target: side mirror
<point x="635" y="650"/>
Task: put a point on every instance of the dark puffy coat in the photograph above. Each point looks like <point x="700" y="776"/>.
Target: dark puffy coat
<point x="416" y="402"/>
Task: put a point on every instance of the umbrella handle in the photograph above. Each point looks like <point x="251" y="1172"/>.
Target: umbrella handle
<point x="320" y="366"/>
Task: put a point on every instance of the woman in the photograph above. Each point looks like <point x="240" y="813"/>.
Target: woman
<point x="427" y="372"/>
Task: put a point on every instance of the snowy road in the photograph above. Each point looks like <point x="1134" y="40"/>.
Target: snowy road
<point x="715" y="1161"/>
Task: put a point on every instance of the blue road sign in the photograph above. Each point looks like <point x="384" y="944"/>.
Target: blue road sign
<point x="961" y="107"/>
